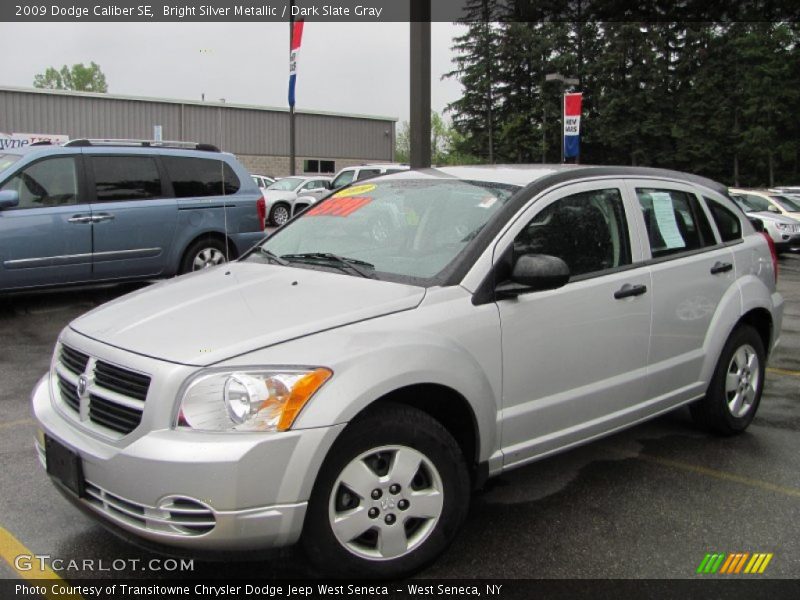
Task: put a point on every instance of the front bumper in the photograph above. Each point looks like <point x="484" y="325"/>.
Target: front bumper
<point x="193" y="490"/>
<point x="787" y="242"/>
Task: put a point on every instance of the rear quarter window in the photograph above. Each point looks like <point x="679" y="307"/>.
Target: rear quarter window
<point x="198" y="177"/>
<point x="728" y="224"/>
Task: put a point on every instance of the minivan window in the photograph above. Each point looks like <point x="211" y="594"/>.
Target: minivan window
<point x="674" y="221"/>
<point x="588" y="231"/>
<point x="199" y="177"/>
<point x="728" y="224"/>
<point x="126" y="178"/>
<point x="48" y="182"/>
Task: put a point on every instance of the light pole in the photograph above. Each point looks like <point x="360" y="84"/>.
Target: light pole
<point x="565" y="81"/>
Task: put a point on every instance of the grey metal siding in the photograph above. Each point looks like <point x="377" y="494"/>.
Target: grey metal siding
<point x="241" y="130"/>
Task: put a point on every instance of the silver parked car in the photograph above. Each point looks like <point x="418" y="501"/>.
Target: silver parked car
<point x="510" y="313"/>
<point x="281" y="195"/>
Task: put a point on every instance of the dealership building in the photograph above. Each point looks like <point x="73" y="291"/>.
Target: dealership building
<point x="258" y="135"/>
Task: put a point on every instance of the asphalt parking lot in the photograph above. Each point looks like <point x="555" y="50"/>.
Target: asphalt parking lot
<point x="646" y="503"/>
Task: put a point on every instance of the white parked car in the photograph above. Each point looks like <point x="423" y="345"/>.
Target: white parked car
<point x="263" y="181"/>
<point x="782" y="204"/>
<point x="784" y="231"/>
<point x="353" y="392"/>
<point x="357" y="173"/>
<point x="280" y="196"/>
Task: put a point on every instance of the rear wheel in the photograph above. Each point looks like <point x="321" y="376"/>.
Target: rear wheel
<point x="735" y="391"/>
<point x="203" y="254"/>
<point x="279" y="215"/>
<point x="390" y="497"/>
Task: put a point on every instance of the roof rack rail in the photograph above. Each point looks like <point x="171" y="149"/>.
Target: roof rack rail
<point x="83" y="142"/>
<point x="42" y="143"/>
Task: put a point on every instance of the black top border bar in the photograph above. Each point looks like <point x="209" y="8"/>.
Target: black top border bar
<point x="465" y="11"/>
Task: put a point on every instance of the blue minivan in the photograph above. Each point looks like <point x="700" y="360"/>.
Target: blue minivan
<point x="96" y="211"/>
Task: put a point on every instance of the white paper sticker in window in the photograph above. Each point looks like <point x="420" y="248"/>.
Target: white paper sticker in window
<point x="666" y="219"/>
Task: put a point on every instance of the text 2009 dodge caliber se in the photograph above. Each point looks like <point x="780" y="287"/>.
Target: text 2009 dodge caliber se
<point x="348" y="381"/>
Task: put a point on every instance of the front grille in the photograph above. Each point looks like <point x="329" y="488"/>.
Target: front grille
<point x="69" y="393"/>
<point x="117" y="417"/>
<point x="122" y="381"/>
<point x="183" y="516"/>
<point x="73" y="360"/>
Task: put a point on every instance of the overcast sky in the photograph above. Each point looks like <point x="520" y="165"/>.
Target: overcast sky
<point x="347" y="67"/>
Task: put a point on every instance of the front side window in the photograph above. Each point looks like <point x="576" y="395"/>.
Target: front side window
<point x="588" y="231"/>
<point x="287" y="184"/>
<point x="752" y="203"/>
<point x="728" y="224"/>
<point x="48" y="182"/>
<point x="674" y="220"/>
<point x="119" y="178"/>
<point x="397" y="230"/>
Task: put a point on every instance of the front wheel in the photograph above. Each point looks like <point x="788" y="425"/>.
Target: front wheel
<point x="279" y="215"/>
<point x="735" y="390"/>
<point x="390" y="497"/>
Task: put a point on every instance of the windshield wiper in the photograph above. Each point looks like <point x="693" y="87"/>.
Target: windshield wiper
<point x="272" y="257"/>
<point x="343" y="262"/>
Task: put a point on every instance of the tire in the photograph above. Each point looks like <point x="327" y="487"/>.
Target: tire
<point x="279" y="215"/>
<point x="380" y="537"/>
<point x="735" y="390"/>
<point x="202" y="254"/>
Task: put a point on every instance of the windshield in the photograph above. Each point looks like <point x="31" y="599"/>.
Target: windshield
<point x="752" y="203"/>
<point x="286" y="185"/>
<point x="787" y="203"/>
<point x="397" y="229"/>
<point x="6" y="160"/>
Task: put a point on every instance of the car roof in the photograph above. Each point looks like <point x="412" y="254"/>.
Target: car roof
<point x="523" y="175"/>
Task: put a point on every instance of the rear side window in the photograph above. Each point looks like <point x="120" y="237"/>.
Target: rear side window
<point x="198" y="177"/>
<point x="674" y="220"/>
<point x="48" y="182"/>
<point x="728" y="224"/>
<point x="364" y="173"/>
<point x="126" y="178"/>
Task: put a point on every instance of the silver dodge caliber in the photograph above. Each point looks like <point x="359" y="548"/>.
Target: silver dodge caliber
<point x="349" y="391"/>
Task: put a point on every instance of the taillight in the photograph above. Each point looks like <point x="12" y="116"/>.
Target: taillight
<point x="773" y="252"/>
<point x="261" y="207"/>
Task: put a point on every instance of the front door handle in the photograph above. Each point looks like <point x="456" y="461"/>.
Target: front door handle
<point x="721" y="267"/>
<point x="80" y="219"/>
<point x="628" y="290"/>
<point x="99" y="218"/>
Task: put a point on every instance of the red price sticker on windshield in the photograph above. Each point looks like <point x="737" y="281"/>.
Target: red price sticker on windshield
<point x="338" y="207"/>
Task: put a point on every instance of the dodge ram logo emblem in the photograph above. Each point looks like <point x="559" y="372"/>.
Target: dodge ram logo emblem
<point x="83" y="383"/>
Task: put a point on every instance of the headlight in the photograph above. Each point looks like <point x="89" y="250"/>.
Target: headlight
<point x="249" y="400"/>
<point x="783" y="226"/>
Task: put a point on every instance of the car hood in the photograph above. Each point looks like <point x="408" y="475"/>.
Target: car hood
<point x="206" y="317"/>
<point x="770" y="216"/>
<point x="275" y="195"/>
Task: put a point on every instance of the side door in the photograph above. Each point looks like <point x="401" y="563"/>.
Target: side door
<point x="134" y="214"/>
<point x="47" y="238"/>
<point x="574" y="358"/>
<point x="315" y="188"/>
<point x="691" y="272"/>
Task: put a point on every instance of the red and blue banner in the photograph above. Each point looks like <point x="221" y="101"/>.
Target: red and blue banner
<point x="294" y="48"/>
<point x="572" y="124"/>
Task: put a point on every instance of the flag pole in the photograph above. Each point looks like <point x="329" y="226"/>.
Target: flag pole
<point x="291" y="91"/>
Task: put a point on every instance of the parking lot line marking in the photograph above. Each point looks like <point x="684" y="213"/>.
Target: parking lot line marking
<point x="16" y="423"/>
<point x="724" y="475"/>
<point x="778" y="371"/>
<point x="11" y="548"/>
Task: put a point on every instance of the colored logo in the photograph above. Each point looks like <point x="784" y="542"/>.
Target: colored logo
<point x="736" y="563"/>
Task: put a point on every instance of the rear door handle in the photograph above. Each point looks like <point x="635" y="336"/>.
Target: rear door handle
<point x="99" y="218"/>
<point x="628" y="290"/>
<point x="721" y="267"/>
<point x="80" y="219"/>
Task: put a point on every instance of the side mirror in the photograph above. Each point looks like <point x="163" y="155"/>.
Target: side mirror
<point x="534" y="273"/>
<point x="774" y="209"/>
<point x="9" y="199"/>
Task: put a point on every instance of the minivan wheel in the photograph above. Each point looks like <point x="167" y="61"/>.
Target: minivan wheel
<point x="202" y="254"/>
<point x="734" y="394"/>
<point x="389" y="498"/>
<point x="279" y="214"/>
